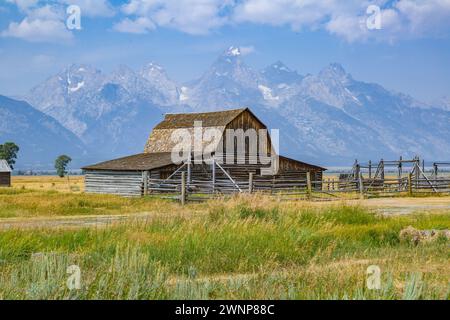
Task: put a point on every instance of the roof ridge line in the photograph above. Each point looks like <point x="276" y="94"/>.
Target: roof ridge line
<point x="199" y="112"/>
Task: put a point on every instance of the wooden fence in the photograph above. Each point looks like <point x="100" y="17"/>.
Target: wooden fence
<point x="294" y="189"/>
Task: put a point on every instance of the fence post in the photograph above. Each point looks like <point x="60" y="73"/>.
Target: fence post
<point x="189" y="171"/>
<point x="213" y="169"/>
<point x="410" y="188"/>
<point x="250" y="182"/>
<point x="308" y="183"/>
<point x="183" y="188"/>
<point x="357" y="171"/>
<point x="361" y="185"/>
<point x="417" y="171"/>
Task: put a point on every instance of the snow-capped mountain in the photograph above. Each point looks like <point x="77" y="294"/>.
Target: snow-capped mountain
<point x="104" y="110"/>
<point x="228" y="83"/>
<point x="158" y="79"/>
<point x="62" y="96"/>
<point x="280" y="76"/>
<point x="327" y="118"/>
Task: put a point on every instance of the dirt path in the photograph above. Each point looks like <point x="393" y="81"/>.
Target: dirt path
<point x="390" y="206"/>
<point x="387" y="206"/>
<point x="78" y="221"/>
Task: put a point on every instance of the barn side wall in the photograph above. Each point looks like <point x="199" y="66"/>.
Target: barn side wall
<point x="124" y="183"/>
<point x="5" y="179"/>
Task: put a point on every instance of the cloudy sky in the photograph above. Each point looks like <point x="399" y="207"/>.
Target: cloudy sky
<point x="403" y="45"/>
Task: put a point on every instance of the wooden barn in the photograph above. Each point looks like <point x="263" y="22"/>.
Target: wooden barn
<point x="131" y="175"/>
<point x="5" y="174"/>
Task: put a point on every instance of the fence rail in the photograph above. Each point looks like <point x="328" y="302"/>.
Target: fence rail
<point x="295" y="189"/>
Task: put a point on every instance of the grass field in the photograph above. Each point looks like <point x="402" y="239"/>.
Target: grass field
<point x="245" y="247"/>
<point x="73" y="184"/>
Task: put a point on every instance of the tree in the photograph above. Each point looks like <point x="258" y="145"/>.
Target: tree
<point x="8" y="152"/>
<point x="61" y="165"/>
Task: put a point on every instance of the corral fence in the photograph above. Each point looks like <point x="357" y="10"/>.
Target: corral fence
<point x="358" y="184"/>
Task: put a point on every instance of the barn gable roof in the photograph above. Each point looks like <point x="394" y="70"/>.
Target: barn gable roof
<point x="159" y="146"/>
<point x="209" y="119"/>
<point x="138" y="162"/>
<point x="4" y="166"/>
<point x="160" y="138"/>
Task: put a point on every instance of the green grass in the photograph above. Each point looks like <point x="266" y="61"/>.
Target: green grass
<point x="25" y="203"/>
<point x="240" y="248"/>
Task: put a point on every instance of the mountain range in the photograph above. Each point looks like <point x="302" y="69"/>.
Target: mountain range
<point x="40" y="137"/>
<point x="328" y="118"/>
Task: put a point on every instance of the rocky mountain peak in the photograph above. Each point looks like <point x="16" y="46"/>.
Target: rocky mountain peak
<point x="232" y="52"/>
<point x="334" y="71"/>
<point x="278" y="73"/>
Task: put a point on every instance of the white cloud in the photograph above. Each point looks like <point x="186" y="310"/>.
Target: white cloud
<point x="189" y="16"/>
<point x="400" y="19"/>
<point x="24" y="4"/>
<point x="138" y="26"/>
<point x="425" y="16"/>
<point x="92" y="8"/>
<point x="46" y="12"/>
<point x="38" y="30"/>
<point x="42" y="23"/>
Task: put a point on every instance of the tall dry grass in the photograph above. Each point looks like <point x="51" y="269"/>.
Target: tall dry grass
<point x="242" y="248"/>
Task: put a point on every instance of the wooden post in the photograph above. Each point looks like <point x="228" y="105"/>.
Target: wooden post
<point x="308" y="183"/>
<point x="355" y="170"/>
<point x="370" y="169"/>
<point x="183" y="188"/>
<point x="400" y="174"/>
<point x="189" y="171"/>
<point x="213" y="169"/>
<point x="410" y="188"/>
<point x="250" y="182"/>
<point x="417" y="170"/>
<point x="361" y="185"/>
<point x="382" y="171"/>
<point x="145" y="181"/>
<point x="435" y="170"/>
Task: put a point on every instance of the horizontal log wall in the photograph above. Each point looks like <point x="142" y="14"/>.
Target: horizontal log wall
<point x="124" y="183"/>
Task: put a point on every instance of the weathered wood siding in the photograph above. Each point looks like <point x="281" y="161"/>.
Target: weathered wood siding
<point x="246" y="121"/>
<point x="5" y="179"/>
<point x="124" y="183"/>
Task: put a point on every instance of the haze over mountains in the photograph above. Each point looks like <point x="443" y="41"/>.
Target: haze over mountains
<point x="329" y="118"/>
<point x="40" y="137"/>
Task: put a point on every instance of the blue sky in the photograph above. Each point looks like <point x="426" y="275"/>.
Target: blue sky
<point x="410" y="53"/>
